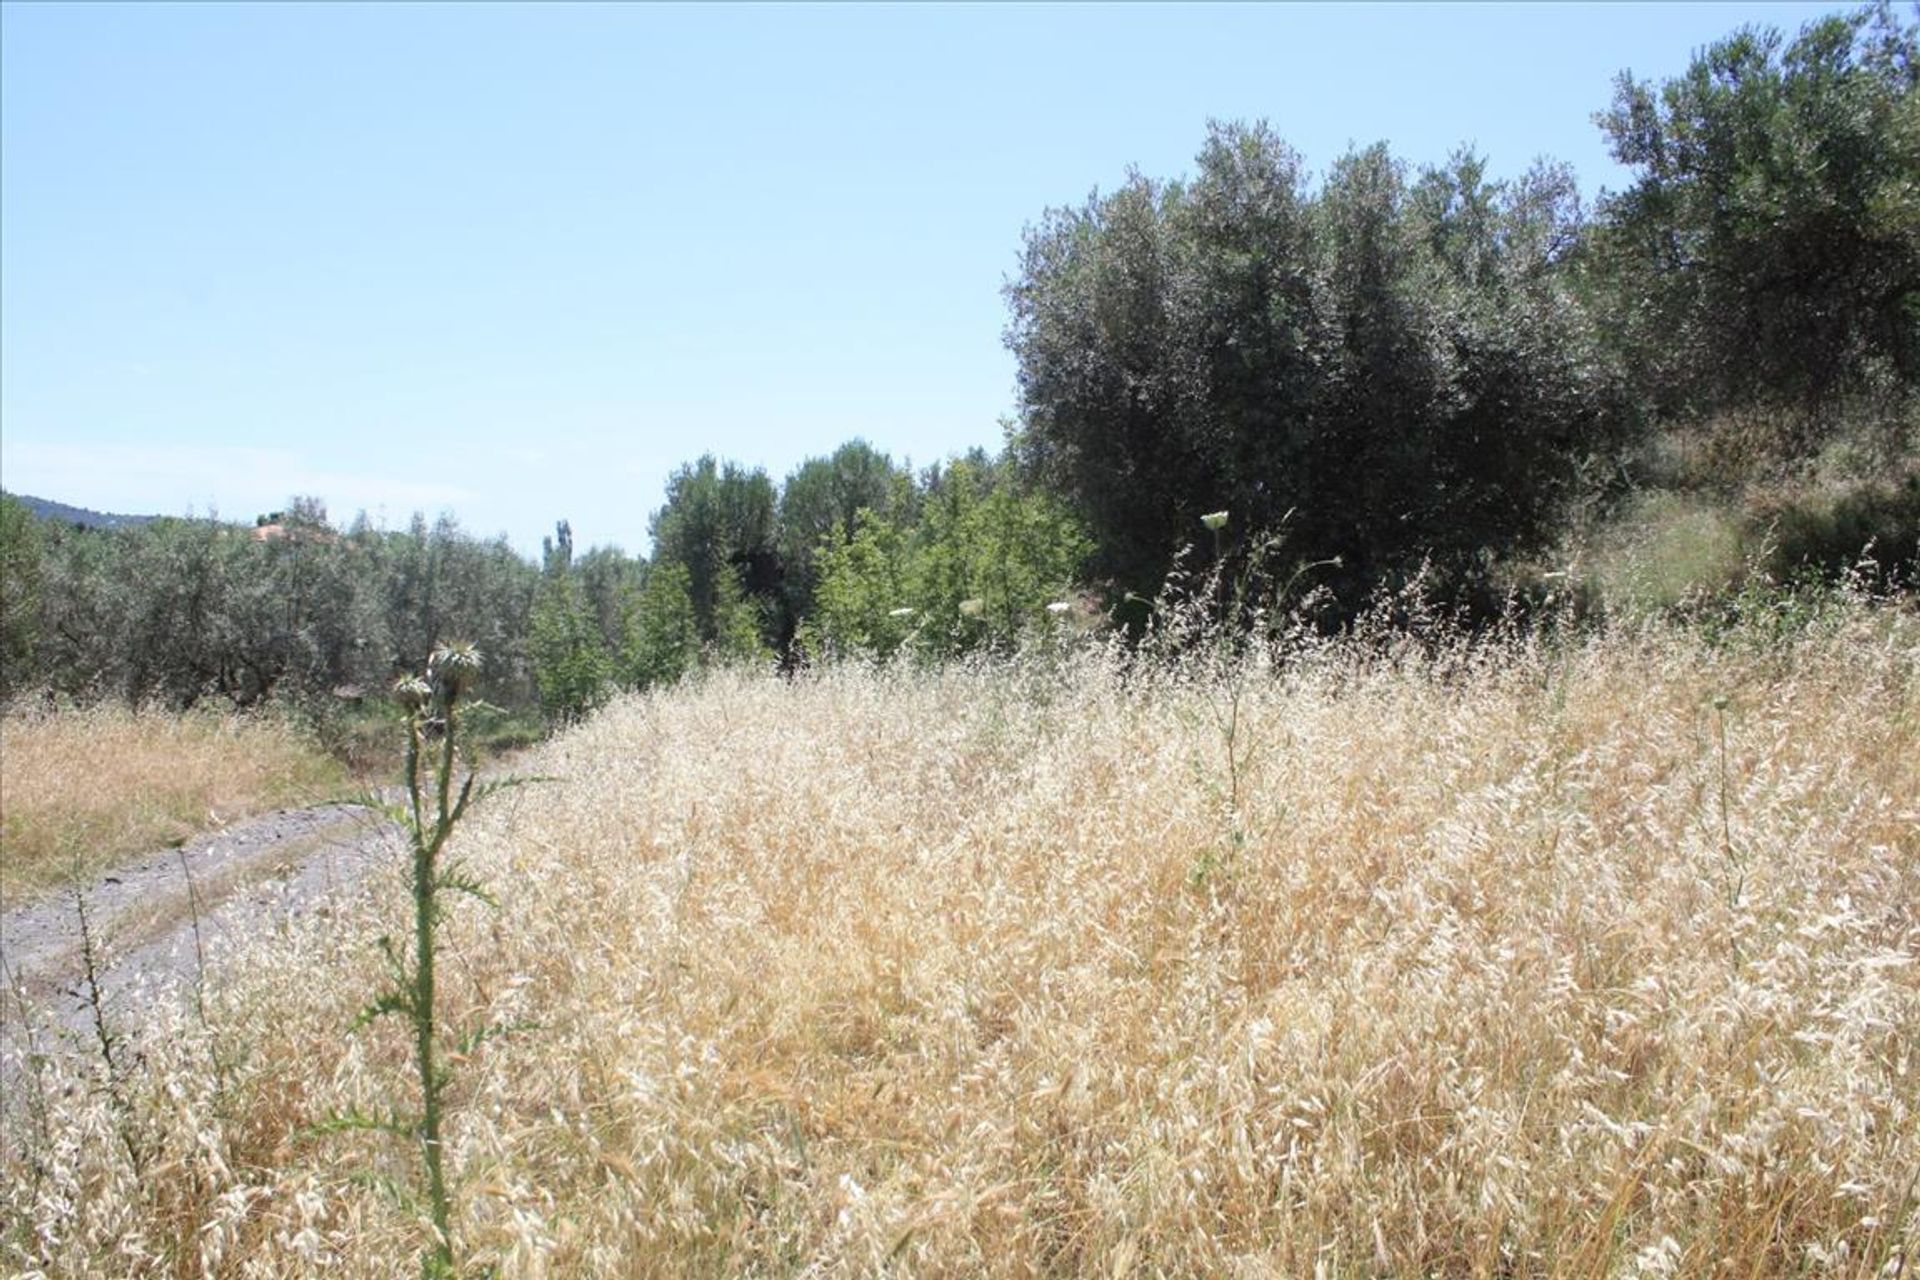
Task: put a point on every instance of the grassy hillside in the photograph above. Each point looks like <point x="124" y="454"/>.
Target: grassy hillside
<point x="1520" y="960"/>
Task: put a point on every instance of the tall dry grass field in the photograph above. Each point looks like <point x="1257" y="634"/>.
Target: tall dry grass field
<point x="1500" y="966"/>
<point x="82" y="788"/>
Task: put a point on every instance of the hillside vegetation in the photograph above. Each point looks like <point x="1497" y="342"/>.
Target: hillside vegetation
<point x="1412" y="957"/>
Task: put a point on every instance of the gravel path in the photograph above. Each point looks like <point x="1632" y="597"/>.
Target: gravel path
<point x="141" y="918"/>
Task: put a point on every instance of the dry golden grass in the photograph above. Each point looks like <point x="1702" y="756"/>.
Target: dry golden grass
<point x="977" y="973"/>
<point x="81" y="789"/>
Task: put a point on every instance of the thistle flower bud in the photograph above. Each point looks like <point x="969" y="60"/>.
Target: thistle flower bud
<point x="412" y="693"/>
<point x="454" y="668"/>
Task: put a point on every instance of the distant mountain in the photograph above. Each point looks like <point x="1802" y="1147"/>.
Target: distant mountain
<point x="47" y="510"/>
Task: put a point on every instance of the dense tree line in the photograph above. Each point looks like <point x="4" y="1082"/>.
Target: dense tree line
<point x="852" y="554"/>
<point x="178" y="610"/>
<point x="836" y="560"/>
<point x="1402" y="370"/>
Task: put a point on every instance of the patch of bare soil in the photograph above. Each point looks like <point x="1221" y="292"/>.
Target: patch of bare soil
<point x="149" y="924"/>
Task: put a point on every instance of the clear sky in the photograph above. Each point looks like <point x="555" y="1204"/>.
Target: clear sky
<point x="520" y="262"/>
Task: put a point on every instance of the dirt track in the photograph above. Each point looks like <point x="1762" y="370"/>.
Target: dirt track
<point x="151" y="921"/>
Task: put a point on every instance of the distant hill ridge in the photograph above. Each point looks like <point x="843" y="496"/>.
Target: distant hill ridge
<point x="50" y="510"/>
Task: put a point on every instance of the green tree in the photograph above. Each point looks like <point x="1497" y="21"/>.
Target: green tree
<point x="718" y="523"/>
<point x="21" y="576"/>
<point x="1769" y="248"/>
<point x="1394" y="367"/>
<point x="822" y="498"/>
<point x="662" y="636"/>
<point x="1106" y="400"/>
<point x="1461" y="387"/>
<point x="609" y="581"/>
<point x="299" y="615"/>
<point x="861" y="605"/>
<point x="182" y="637"/>
<point x="81" y="645"/>
<point x="990" y="555"/>
<point x="738" y="621"/>
<point x="287" y="609"/>
<point x="979" y="566"/>
<point x="571" y="663"/>
<point x="435" y="580"/>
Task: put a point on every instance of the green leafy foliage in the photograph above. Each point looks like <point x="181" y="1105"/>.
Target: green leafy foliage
<point x="21" y="583"/>
<point x="861" y="603"/>
<point x="1769" y="248"/>
<point x="718" y="525"/>
<point x="991" y="555"/>
<point x="738" y="620"/>
<point x="1392" y="365"/>
<point x="662" y="636"/>
<point x="571" y="662"/>
<point x="609" y="580"/>
<point x="292" y="611"/>
<point x="821" y="500"/>
<point x="979" y="567"/>
<point x="438" y="580"/>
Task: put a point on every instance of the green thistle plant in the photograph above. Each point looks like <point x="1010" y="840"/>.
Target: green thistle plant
<point x="431" y="706"/>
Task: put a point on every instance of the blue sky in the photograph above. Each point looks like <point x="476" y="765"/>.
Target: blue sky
<point x="520" y="262"/>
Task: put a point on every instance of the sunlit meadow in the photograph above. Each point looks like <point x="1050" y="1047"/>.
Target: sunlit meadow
<point x="1597" y="958"/>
